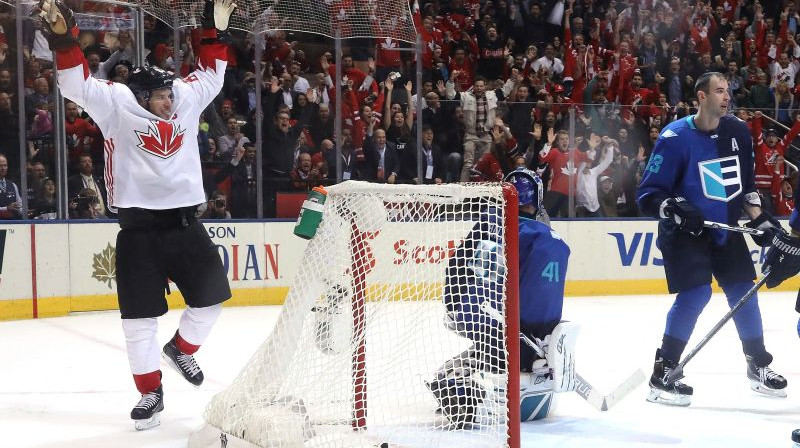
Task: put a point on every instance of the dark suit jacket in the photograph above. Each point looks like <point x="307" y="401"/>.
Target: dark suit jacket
<point x="75" y="185"/>
<point x="391" y="160"/>
<point x="357" y="170"/>
<point x="409" y="164"/>
<point x="243" y="190"/>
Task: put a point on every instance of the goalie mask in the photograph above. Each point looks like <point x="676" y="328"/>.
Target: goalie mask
<point x="530" y="190"/>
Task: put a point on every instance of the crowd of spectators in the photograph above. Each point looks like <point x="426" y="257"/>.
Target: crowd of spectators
<point x="500" y="80"/>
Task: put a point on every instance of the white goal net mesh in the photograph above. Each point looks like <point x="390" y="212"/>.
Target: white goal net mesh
<point x="355" y="18"/>
<point x="384" y="337"/>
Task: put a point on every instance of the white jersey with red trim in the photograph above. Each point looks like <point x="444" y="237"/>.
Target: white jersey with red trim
<point x="149" y="162"/>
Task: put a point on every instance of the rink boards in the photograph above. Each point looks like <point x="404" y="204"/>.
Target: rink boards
<point x="51" y="269"/>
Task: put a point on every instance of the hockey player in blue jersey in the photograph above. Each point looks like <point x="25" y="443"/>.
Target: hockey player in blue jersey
<point x="783" y="262"/>
<point x="701" y="168"/>
<point x="473" y="286"/>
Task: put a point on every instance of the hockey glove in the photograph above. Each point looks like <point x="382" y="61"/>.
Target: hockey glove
<point x="685" y="215"/>
<point x="783" y="258"/>
<point x="217" y="14"/>
<point x="766" y="223"/>
<point x="58" y="24"/>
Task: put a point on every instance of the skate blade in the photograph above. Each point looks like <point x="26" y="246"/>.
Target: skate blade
<point x="669" y="399"/>
<point x="762" y="389"/>
<point x="148" y="423"/>
<point x="177" y="369"/>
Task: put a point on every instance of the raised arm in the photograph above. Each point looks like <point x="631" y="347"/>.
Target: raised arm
<point x="387" y="104"/>
<point x="74" y="79"/>
<point x="207" y="80"/>
<point x="411" y="106"/>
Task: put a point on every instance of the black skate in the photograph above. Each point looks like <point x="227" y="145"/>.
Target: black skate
<point x="764" y="380"/>
<point x="674" y="393"/>
<point x="147" y="412"/>
<point x="796" y="438"/>
<point x="182" y="363"/>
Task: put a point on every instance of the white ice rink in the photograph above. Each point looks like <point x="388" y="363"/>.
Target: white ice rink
<point x="64" y="382"/>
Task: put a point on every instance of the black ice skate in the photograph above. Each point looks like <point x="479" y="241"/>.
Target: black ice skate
<point x="796" y="438"/>
<point x="182" y="363"/>
<point x="674" y="393"/>
<point x="764" y="380"/>
<point x="147" y="412"/>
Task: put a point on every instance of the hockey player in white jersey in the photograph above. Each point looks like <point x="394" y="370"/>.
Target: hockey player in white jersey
<point x="154" y="180"/>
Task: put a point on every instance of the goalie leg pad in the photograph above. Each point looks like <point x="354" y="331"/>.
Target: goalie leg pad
<point x="561" y="355"/>
<point x="536" y="394"/>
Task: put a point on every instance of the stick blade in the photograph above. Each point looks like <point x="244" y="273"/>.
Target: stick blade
<point x="625" y="388"/>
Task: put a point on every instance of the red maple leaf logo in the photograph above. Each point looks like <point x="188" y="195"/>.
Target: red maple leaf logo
<point x="163" y="138"/>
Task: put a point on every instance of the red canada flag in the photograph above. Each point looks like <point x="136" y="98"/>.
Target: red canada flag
<point x="163" y="138"/>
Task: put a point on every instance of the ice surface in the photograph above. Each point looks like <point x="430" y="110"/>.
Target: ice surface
<point x="64" y="382"/>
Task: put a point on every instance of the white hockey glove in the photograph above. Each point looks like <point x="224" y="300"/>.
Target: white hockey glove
<point x="217" y="14"/>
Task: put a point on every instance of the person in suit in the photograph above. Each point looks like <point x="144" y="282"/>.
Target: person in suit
<point x="433" y="170"/>
<point x="242" y="171"/>
<point x="351" y="167"/>
<point x="382" y="158"/>
<point x="85" y="178"/>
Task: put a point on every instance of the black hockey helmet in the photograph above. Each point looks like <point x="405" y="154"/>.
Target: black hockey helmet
<point x="144" y="80"/>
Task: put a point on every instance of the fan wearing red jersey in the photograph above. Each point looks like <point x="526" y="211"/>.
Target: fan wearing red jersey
<point x="154" y="180"/>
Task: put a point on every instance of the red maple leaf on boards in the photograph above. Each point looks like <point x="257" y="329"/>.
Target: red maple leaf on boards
<point x="163" y="138"/>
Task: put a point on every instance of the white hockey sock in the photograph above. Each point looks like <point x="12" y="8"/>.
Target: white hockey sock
<point x="141" y="338"/>
<point x="196" y="323"/>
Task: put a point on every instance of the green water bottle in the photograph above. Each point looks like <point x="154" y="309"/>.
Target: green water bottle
<point x="311" y="213"/>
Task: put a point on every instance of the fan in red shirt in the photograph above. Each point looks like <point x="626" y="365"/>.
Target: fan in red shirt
<point x="431" y="36"/>
<point x="782" y="192"/>
<point x="768" y="149"/>
<point x="81" y="131"/>
<point x="499" y="161"/>
<point x="563" y="171"/>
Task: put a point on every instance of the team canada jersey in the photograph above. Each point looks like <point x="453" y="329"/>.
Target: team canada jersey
<point x="149" y="162"/>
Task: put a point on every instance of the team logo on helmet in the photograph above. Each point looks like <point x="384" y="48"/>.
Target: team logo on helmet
<point x="162" y="139"/>
<point x="721" y="178"/>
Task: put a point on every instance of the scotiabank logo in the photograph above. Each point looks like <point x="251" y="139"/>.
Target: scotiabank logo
<point x="404" y="251"/>
<point x="419" y="254"/>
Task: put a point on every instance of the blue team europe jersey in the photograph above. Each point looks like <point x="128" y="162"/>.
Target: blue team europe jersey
<point x="713" y="171"/>
<point x="543" y="257"/>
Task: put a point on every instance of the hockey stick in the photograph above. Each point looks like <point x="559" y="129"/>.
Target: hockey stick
<point x="588" y="392"/>
<point x="583" y="388"/>
<point x="719" y="225"/>
<point x="677" y="372"/>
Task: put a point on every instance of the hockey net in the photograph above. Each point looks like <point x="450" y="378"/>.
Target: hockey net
<point x="365" y="329"/>
<point x="354" y="18"/>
